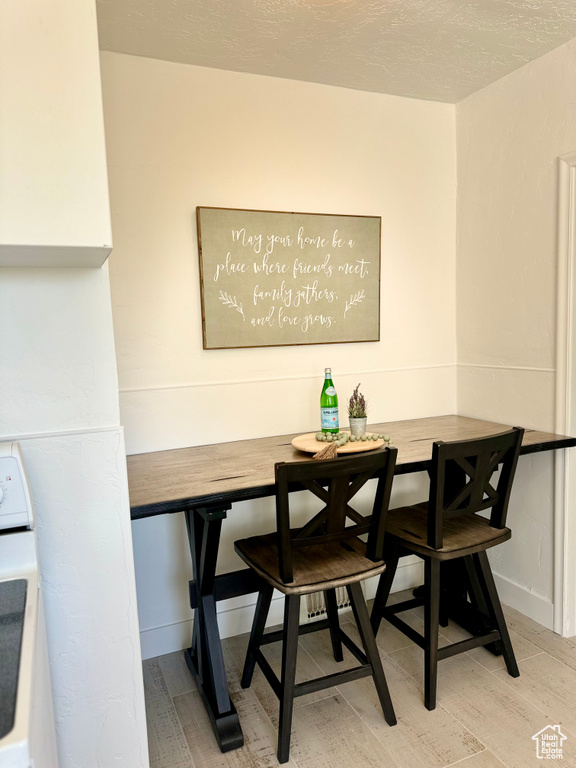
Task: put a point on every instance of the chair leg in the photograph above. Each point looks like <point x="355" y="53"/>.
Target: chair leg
<point x="431" y="629"/>
<point x="495" y="610"/>
<point x="443" y="619"/>
<point x="384" y="586"/>
<point x="289" y="654"/>
<point x="444" y="601"/>
<point x="332" y="613"/>
<point x="368" y="641"/>
<point x="258" y="626"/>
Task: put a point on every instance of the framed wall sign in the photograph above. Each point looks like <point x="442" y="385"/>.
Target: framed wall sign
<point x="270" y="278"/>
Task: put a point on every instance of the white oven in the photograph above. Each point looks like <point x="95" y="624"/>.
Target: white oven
<point x="27" y="736"/>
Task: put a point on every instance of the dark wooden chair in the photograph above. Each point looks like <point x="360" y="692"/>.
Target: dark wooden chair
<point x="319" y="557"/>
<point x="447" y="529"/>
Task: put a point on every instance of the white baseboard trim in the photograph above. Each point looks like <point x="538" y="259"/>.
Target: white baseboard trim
<point x="534" y="606"/>
<point x="167" y="638"/>
<point x="164" y="639"/>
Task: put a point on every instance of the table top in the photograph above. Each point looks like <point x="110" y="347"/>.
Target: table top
<point x="207" y="475"/>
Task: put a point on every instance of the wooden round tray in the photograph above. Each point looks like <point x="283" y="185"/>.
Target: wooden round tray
<point x="309" y="444"/>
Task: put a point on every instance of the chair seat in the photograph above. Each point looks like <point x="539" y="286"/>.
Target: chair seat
<point x="462" y="535"/>
<point x="315" y="567"/>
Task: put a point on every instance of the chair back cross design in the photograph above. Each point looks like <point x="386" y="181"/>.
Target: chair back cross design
<point x="462" y="480"/>
<point x="335" y="483"/>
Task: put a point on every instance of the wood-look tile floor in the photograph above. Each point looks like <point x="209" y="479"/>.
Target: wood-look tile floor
<point x="484" y="718"/>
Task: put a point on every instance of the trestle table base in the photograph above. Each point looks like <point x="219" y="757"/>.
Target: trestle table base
<point x="204" y="658"/>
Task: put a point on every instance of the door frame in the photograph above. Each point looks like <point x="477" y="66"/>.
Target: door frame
<point x="565" y="416"/>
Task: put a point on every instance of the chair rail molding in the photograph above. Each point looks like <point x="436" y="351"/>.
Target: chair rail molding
<point x="565" y="417"/>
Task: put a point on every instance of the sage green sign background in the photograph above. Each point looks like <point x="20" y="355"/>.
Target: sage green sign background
<point x="270" y="278"/>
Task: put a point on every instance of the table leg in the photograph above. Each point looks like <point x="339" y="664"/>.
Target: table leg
<point x="464" y="601"/>
<point x="204" y="658"/>
<point x="456" y="586"/>
<point x="461" y="597"/>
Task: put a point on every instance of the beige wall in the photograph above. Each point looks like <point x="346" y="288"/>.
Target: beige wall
<point x="180" y="136"/>
<point x="54" y="206"/>
<point x="509" y="138"/>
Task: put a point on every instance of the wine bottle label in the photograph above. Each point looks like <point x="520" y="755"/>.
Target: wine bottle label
<point x="329" y="418"/>
<point x="331" y="391"/>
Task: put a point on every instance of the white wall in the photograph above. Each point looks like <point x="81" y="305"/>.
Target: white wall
<point x="54" y="205"/>
<point x="180" y="136"/>
<point x="59" y="389"/>
<point x="510" y="135"/>
<point x="58" y="384"/>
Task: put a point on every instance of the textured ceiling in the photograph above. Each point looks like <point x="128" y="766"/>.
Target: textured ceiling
<point x="432" y="49"/>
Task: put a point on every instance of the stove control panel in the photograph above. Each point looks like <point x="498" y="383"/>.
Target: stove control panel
<point x="15" y="501"/>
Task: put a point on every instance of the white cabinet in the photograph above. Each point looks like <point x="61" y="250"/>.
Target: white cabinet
<point x="54" y="204"/>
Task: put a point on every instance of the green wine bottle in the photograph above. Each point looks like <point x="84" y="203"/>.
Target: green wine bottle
<point x="329" y="405"/>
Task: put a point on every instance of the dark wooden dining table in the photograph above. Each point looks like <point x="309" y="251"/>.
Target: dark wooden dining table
<point x="206" y="481"/>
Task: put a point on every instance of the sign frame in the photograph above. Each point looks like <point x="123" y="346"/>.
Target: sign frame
<point x="333" y="244"/>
